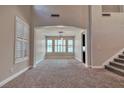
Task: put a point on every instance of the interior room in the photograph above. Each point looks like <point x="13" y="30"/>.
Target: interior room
<point x="62" y="46"/>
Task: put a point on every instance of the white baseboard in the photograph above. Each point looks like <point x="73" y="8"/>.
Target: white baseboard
<point x="35" y="65"/>
<point x="39" y="61"/>
<point x="81" y="61"/>
<point x="87" y="66"/>
<point x="78" y="59"/>
<point x="114" y="56"/>
<point x="97" y="67"/>
<point x="13" y="76"/>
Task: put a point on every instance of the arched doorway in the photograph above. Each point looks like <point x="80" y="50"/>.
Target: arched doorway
<point x="68" y="44"/>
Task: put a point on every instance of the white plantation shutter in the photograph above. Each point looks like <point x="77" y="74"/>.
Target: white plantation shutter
<point x="21" y="41"/>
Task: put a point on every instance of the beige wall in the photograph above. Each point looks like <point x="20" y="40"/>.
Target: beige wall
<point x="107" y="35"/>
<point x="70" y="15"/>
<point x="111" y="8"/>
<point x="7" y="28"/>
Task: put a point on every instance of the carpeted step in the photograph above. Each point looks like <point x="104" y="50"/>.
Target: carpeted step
<point x="115" y="70"/>
<point x="123" y="52"/>
<point x="121" y="56"/>
<point x="120" y="60"/>
<point x="117" y="65"/>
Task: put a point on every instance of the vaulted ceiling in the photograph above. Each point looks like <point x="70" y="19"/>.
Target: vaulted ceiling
<point x="69" y="15"/>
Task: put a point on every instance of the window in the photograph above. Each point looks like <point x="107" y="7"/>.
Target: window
<point x="57" y="45"/>
<point x="70" y="45"/>
<point x="60" y="46"/>
<point x="49" y="46"/>
<point x="21" y="41"/>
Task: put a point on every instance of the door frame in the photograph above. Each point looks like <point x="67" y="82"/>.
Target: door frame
<point x="86" y="48"/>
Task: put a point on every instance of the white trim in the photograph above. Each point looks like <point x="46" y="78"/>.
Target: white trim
<point x="78" y="59"/>
<point x="13" y="76"/>
<point x="114" y="56"/>
<point x="86" y="48"/>
<point x="86" y="65"/>
<point x="81" y="61"/>
<point x="19" y="19"/>
<point x="97" y="67"/>
<point x="21" y="59"/>
<point x="39" y="61"/>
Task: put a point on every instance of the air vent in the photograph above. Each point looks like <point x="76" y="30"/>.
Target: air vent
<point x="60" y="32"/>
<point x="106" y="14"/>
<point x="55" y="15"/>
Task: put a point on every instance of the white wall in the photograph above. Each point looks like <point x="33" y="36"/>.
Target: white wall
<point x="107" y="35"/>
<point x="38" y="46"/>
<point x="54" y="31"/>
<point x="78" y="46"/>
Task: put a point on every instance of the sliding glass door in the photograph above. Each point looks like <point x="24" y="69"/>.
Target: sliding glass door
<point x="60" y="45"/>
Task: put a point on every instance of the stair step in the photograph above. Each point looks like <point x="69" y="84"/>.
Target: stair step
<point x="121" y="56"/>
<point x="123" y="52"/>
<point x="117" y="65"/>
<point x="115" y="70"/>
<point x="120" y="60"/>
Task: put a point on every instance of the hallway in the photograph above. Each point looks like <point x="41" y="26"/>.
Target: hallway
<point x="65" y="73"/>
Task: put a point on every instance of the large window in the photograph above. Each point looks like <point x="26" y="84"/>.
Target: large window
<point x="60" y="45"/>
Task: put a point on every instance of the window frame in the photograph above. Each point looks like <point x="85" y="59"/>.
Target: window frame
<point x="66" y="38"/>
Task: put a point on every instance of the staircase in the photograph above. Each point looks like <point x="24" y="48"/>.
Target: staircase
<point x="117" y="65"/>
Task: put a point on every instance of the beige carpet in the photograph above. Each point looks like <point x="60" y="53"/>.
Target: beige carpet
<point x="65" y="74"/>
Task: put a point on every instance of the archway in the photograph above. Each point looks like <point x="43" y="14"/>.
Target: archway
<point x="42" y="33"/>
